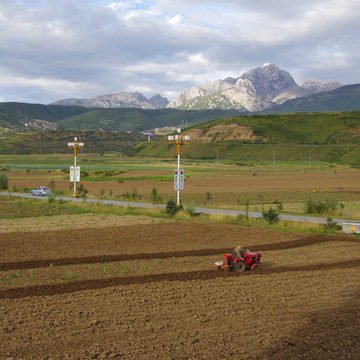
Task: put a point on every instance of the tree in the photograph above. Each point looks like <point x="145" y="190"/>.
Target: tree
<point x="155" y="196"/>
<point x="171" y="207"/>
<point x="271" y="216"/>
<point x="4" y="182"/>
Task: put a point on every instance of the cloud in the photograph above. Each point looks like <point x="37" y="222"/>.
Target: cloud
<point x="56" y="49"/>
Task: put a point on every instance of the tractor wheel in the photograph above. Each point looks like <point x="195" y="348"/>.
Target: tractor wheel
<point x="239" y="266"/>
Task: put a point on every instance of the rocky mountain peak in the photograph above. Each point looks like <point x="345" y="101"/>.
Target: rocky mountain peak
<point x="257" y="89"/>
<point x="270" y="81"/>
<point x="314" y="86"/>
<point x="121" y="99"/>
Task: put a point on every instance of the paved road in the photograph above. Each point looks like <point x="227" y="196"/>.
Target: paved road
<point x="310" y="219"/>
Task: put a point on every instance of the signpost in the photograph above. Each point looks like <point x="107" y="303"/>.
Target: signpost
<point x="178" y="173"/>
<point x="75" y="173"/>
<point x="181" y="179"/>
<point x="148" y="134"/>
<point x="75" y="170"/>
<point x="176" y="179"/>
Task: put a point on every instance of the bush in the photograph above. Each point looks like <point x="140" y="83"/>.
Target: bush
<point x="155" y="196"/>
<point x="319" y="207"/>
<point x="278" y="204"/>
<point x="81" y="191"/>
<point x="4" y="182"/>
<point x="271" y="216"/>
<point x="51" y="198"/>
<point x="126" y="195"/>
<point x="171" y="208"/>
<point x="52" y="184"/>
<point x="191" y="211"/>
<point x="330" y="224"/>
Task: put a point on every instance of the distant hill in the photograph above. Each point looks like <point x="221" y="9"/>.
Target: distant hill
<point x="331" y="137"/>
<point x="344" y="98"/>
<point x="24" y="117"/>
<point x="55" y="142"/>
<point x="122" y="99"/>
<point x="34" y="117"/>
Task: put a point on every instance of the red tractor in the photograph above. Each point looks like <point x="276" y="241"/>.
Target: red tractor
<point x="239" y="260"/>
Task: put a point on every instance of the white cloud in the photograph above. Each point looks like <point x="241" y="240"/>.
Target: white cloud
<point x="51" y="49"/>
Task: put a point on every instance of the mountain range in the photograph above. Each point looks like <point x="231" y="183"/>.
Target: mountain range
<point x="122" y="99"/>
<point x="258" y="89"/>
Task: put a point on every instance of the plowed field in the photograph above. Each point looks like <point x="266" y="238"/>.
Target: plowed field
<point x="150" y="291"/>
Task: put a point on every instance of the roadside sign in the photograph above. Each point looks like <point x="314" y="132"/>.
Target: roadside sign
<point x="181" y="179"/>
<point x="72" y="174"/>
<point x="176" y="179"/>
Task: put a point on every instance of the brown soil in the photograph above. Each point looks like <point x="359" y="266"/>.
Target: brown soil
<point x="150" y="291"/>
<point x="224" y="133"/>
<point x="217" y="183"/>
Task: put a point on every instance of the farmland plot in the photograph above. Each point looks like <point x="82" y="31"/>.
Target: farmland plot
<point x="149" y="290"/>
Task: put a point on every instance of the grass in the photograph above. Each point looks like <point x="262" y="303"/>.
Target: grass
<point x="99" y="209"/>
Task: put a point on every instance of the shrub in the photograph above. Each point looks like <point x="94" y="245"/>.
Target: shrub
<point x="191" y="211"/>
<point x="81" y="191"/>
<point x="171" y="208"/>
<point x="126" y="195"/>
<point x="330" y="224"/>
<point x="208" y="196"/>
<point x="155" y="196"/>
<point x="52" y="184"/>
<point x="319" y="207"/>
<point x="135" y="194"/>
<point x="278" y="204"/>
<point x="102" y="193"/>
<point x="247" y="205"/>
<point x="271" y="216"/>
<point x="4" y="182"/>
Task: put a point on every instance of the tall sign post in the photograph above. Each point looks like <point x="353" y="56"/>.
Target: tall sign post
<point x="75" y="171"/>
<point x="149" y="134"/>
<point x="178" y="139"/>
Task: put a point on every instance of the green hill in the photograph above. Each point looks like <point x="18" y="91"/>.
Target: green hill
<point x="50" y="142"/>
<point x="32" y="117"/>
<point x="299" y="128"/>
<point x="332" y="137"/>
<point x="136" y="120"/>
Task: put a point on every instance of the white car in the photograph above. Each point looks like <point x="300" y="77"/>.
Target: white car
<point x="41" y="191"/>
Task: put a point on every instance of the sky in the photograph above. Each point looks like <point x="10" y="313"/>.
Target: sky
<point x="56" y="49"/>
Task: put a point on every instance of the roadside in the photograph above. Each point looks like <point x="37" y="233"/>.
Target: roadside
<point x="295" y="218"/>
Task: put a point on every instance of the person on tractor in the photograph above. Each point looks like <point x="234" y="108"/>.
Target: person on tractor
<point x="237" y="253"/>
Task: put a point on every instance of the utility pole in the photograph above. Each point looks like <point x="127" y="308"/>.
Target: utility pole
<point x="178" y="174"/>
<point x="73" y="173"/>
